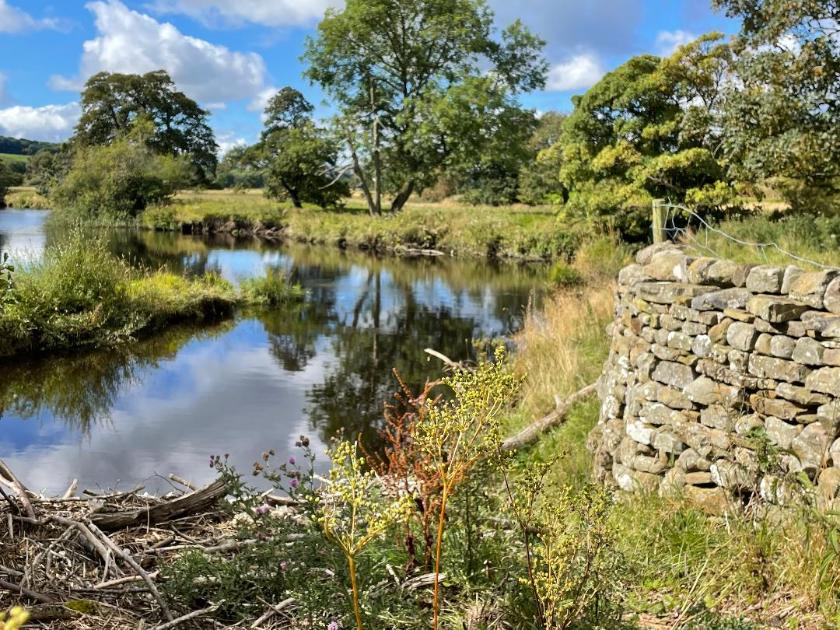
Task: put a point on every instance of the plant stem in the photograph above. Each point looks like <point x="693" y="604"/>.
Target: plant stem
<point x="351" y="566"/>
<point x="438" y="547"/>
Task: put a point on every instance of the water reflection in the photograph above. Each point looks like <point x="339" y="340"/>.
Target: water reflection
<point x="164" y="404"/>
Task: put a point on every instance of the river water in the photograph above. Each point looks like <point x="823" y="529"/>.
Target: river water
<point x="163" y="405"/>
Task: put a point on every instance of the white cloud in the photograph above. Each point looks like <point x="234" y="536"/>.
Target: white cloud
<point x="667" y="42"/>
<point x="135" y="43"/>
<point x="264" y="12"/>
<point x="50" y="123"/>
<point x="577" y="73"/>
<point x="227" y="140"/>
<point x="14" y="20"/>
<point x="260" y="101"/>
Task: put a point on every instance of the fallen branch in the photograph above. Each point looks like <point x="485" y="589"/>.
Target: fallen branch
<point x="533" y="431"/>
<point x="22" y="492"/>
<point x="449" y="362"/>
<point x="17" y="588"/>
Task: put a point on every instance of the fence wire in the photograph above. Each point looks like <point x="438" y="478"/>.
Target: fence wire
<point x="687" y="233"/>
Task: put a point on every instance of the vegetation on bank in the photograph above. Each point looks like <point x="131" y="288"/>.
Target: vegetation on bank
<point x="78" y="294"/>
<point x="26" y="197"/>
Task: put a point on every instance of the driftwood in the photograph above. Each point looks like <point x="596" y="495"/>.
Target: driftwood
<point x="533" y="431"/>
<point x="188" y="504"/>
<point x="21" y="490"/>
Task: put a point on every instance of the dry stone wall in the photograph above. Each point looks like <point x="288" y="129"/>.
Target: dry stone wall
<point x="722" y="382"/>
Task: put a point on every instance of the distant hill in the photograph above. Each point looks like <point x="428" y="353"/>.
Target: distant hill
<point x="21" y="146"/>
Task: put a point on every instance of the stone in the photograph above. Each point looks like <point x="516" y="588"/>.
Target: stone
<point x="667" y="442"/>
<point x="640" y="432"/>
<point x="738" y="360"/>
<point x="741" y="336"/>
<point x="664" y="353"/>
<point x="782" y="346"/>
<point x="791" y="274"/>
<point x="719" y="300"/>
<point x="739" y="315"/>
<point x="670" y="292"/>
<point x="730" y="475"/>
<point x="763" y="343"/>
<point x="726" y="273"/>
<point x="831" y="356"/>
<point x="779" y="369"/>
<point x="698" y="478"/>
<point x="825" y="325"/>
<point x="701" y="346"/>
<point x="808" y="351"/>
<point x="654" y="465"/>
<point x="717" y="417"/>
<point x="668" y="396"/>
<point x="825" y="380"/>
<point x="707" y="442"/>
<point x="679" y="341"/>
<point x="810" y="446"/>
<point x="765" y="279"/>
<point x="780" y="432"/>
<point x="694" y="328"/>
<point x="775" y="309"/>
<point x="658" y="414"/>
<point x="747" y="424"/>
<point x="810" y="287"/>
<point x="713" y="501"/>
<point x="705" y="391"/>
<point x="718" y="331"/>
<point x="645" y="255"/>
<point x="689" y="460"/>
<point x="631" y="274"/>
<point x="801" y="395"/>
<point x="828" y="485"/>
<point x="834" y="453"/>
<point x="668" y="265"/>
<point x="672" y="482"/>
<point x="778" y="490"/>
<point x="777" y="407"/>
<point x="831" y="299"/>
<point x="697" y="269"/>
<point x="673" y="374"/>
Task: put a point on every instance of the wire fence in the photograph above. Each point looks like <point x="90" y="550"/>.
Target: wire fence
<point x="684" y="225"/>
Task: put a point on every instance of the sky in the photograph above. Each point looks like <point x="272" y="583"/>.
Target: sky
<point x="232" y="55"/>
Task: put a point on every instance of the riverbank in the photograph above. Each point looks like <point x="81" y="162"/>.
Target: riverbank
<point x="518" y="232"/>
<point x="26" y="198"/>
<point x="79" y="295"/>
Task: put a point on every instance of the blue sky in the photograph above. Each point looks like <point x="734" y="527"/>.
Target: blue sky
<point x="230" y="55"/>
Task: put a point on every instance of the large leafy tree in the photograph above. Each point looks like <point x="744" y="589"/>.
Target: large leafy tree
<point x="648" y="129"/>
<point x="411" y="79"/>
<point x="297" y="159"/>
<point x="111" y="102"/>
<point x="783" y="114"/>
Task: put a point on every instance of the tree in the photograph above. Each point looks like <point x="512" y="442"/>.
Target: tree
<point x="395" y="68"/>
<point x="539" y="181"/>
<point x="234" y="171"/>
<point x="119" y="180"/>
<point x="112" y="102"/>
<point x="297" y="159"/>
<point x="782" y="117"/>
<point x="648" y="129"/>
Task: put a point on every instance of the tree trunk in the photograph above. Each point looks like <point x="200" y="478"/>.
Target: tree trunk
<point x="293" y="195"/>
<point x="402" y="197"/>
<point x="357" y="169"/>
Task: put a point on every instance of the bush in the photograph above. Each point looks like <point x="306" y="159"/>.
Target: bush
<point x="565" y="275"/>
<point x="118" y="181"/>
<point x="272" y="289"/>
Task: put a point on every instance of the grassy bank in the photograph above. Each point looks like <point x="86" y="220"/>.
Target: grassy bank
<point x="79" y="295"/>
<point x="503" y="232"/>
<point x="25" y="197"/>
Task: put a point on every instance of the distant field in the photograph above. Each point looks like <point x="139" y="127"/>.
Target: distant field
<point x="11" y="157"/>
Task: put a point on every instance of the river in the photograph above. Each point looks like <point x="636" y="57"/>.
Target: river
<point x="128" y="417"/>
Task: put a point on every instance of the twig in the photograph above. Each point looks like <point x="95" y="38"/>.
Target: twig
<point x="193" y="615"/>
<point x="438" y="355"/>
<point x="46" y="599"/>
<point x="71" y="491"/>
<point x="22" y="492"/>
<point x="122" y="553"/>
<point x="273" y="609"/>
<point x="182" y="481"/>
<point x="533" y="431"/>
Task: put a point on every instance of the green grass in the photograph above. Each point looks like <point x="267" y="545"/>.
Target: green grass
<point x="12" y="157"/>
<point x="79" y="295"/>
<point x="518" y="232"/>
<point x="26" y="197"/>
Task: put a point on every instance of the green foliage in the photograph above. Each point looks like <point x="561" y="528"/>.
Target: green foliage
<point x="14" y="619"/>
<point x="21" y="146"/>
<point x="565" y="275"/>
<point x="414" y="81"/>
<point x="112" y="103"/>
<point x="116" y="182"/>
<point x="272" y="289"/>
<point x="539" y="180"/>
<point x="234" y="171"/>
<point x="783" y="114"/>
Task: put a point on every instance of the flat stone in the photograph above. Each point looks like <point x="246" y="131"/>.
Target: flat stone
<point x="810" y="287"/>
<point x="763" y="342"/>
<point x="726" y="273"/>
<point x="668" y="396"/>
<point x="791" y="273"/>
<point x="698" y="478"/>
<point x="778" y="490"/>
<point x="649" y="464"/>
<point x="689" y="460"/>
<point x="669" y="266"/>
<point x="718" y="331"/>
<point x="633" y="480"/>
<point x="731" y="475"/>
<point x="667" y="442"/>
<point x="670" y="292"/>
<point x="640" y="432"/>
<point x="782" y="346"/>
<point x="718" y="417"/>
<point x="664" y="353"/>
<point x="697" y="269"/>
<point x="780" y="432"/>
<point x="713" y="501"/>
<point x="706" y="441"/>
<point x="777" y="407"/>
<point x="631" y="274"/>
<point x="679" y="341"/>
<point x="825" y="380"/>
<point x="808" y="351"/>
<point x="694" y="328"/>
<point x="705" y="391"/>
<point x="719" y="300"/>
<point x="738" y="315"/>
<point x="834" y="453"/>
<point x="701" y="346"/>
<point x="775" y="309"/>
<point x="779" y="369"/>
<point x="831" y="299"/>
<point x="645" y="255"/>
<point x="801" y="395"/>
<point x="831" y="356"/>
<point x="747" y="424"/>
<point x="828" y="485"/>
<point x="765" y="279"/>
<point x="738" y="360"/>
<point x="741" y="336"/>
<point x="826" y="325"/>
<point x="810" y="446"/>
<point x="673" y="374"/>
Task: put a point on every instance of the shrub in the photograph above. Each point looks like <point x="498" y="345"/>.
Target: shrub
<point x="565" y="275"/>
<point x="272" y="289"/>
